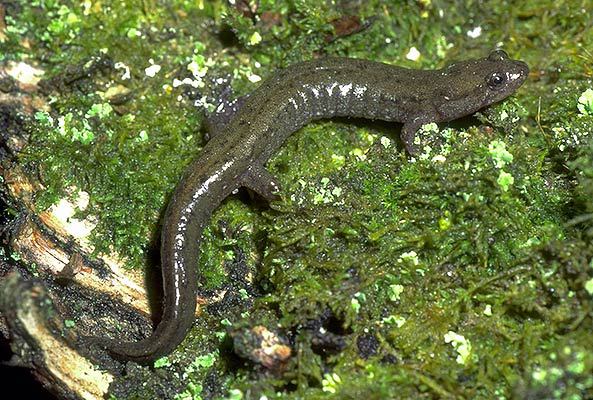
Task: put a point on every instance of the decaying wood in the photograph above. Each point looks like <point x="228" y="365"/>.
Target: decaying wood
<point x="58" y="245"/>
<point x="37" y="343"/>
<point x="56" y="277"/>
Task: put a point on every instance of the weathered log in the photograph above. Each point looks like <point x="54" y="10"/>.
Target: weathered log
<point x="52" y="291"/>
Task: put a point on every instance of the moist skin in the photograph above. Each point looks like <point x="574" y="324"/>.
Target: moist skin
<point x="304" y="92"/>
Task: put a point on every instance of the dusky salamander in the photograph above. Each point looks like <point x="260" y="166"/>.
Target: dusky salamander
<point x="304" y="92"/>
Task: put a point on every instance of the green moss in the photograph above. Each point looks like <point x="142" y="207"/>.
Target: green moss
<point x="232" y="236"/>
<point x="478" y="250"/>
<point x="583" y="168"/>
<point x="400" y="241"/>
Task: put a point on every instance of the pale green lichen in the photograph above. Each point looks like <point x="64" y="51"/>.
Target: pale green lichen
<point x="410" y="257"/>
<point x="330" y="383"/>
<point x="585" y="102"/>
<point x="462" y="345"/>
<point x="99" y="110"/>
<point x="162" y="362"/>
<point x="501" y="157"/>
<point x="499" y="153"/>
<point x="589" y="286"/>
<point x="505" y="180"/>
<point x="396" y="320"/>
<point x="395" y="291"/>
<point x="255" y="38"/>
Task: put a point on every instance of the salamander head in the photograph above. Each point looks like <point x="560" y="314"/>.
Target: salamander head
<point x="474" y="84"/>
<point x="502" y="76"/>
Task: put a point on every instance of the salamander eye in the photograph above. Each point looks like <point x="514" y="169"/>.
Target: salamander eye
<point x="498" y="55"/>
<point x="496" y="80"/>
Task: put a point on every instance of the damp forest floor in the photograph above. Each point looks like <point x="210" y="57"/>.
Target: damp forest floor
<point x="466" y="272"/>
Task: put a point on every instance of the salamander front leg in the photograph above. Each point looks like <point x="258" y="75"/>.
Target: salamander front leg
<point x="216" y="121"/>
<point x="226" y="108"/>
<point x="408" y="135"/>
<point x="259" y="180"/>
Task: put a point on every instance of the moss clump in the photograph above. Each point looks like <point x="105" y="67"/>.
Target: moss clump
<point x="583" y="167"/>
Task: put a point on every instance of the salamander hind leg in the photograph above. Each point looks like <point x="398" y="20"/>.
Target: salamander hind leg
<point x="408" y="134"/>
<point x="259" y="180"/>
